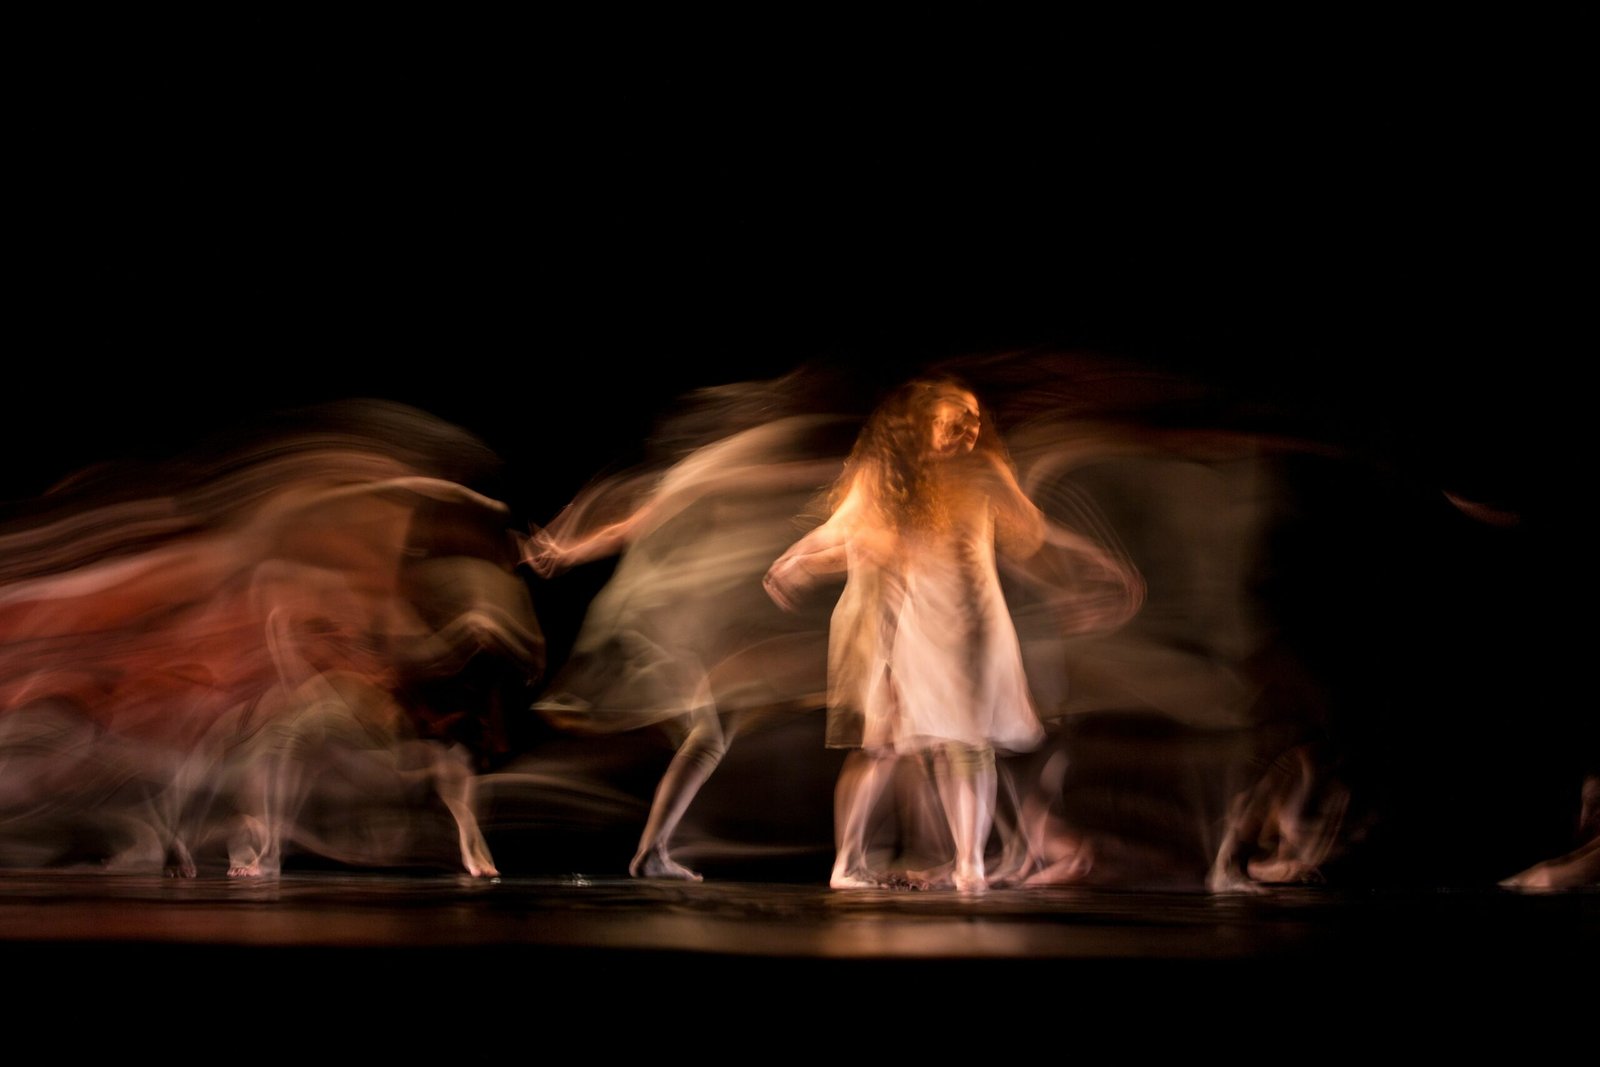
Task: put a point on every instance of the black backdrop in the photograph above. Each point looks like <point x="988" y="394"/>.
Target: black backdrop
<point x="545" y="231"/>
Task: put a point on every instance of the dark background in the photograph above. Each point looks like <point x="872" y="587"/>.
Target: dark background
<point x="545" y="231"/>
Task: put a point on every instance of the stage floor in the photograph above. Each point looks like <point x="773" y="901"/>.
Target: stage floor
<point x="384" y="945"/>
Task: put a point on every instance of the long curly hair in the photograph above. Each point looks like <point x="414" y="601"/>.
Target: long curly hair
<point x="891" y="457"/>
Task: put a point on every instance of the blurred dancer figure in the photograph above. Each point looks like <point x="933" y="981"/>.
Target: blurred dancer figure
<point x="263" y="645"/>
<point x="681" y="637"/>
<point x="923" y="655"/>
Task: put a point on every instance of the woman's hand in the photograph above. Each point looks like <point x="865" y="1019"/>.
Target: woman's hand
<point x="783" y="580"/>
<point x="542" y="553"/>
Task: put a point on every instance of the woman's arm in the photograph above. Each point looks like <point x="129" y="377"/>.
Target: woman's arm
<point x="1093" y="588"/>
<point x="549" y="555"/>
<point x="822" y="553"/>
<point x="577" y="536"/>
<point x="1019" y="524"/>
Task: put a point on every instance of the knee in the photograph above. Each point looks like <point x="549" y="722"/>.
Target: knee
<point x="970" y="760"/>
<point x="705" y="746"/>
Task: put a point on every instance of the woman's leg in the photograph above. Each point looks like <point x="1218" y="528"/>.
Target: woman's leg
<point x="693" y="763"/>
<point x="862" y="781"/>
<point x="966" y="778"/>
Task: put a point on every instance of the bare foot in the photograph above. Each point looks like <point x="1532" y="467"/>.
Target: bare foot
<point x="248" y="853"/>
<point x="1012" y="872"/>
<point x="969" y="874"/>
<point x="180" y="864"/>
<point x="853" y="880"/>
<point x="1572" y="871"/>
<point x="483" y="869"/>
<point x="254" y="869"/>
<point x="1539" y="876"/>
<point x="475" y="856"/>
<point x="1074" y="867"/>
<point x="1283" y="871"/>
<point x="1230" y="879"/>
<point x="909" y="881"/>
<point x="655" y="863"/>
<point x="939" y="877"/>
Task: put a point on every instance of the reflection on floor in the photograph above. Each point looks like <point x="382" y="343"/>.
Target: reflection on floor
<point x="387" y="944"/>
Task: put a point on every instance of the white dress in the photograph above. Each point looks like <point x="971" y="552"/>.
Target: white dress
<point x="922" y="648"/>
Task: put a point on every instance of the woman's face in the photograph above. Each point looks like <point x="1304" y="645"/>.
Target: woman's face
<point x="955" y="424"/>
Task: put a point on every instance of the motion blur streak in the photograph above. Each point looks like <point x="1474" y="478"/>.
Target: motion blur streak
<point x="240" y="662"/>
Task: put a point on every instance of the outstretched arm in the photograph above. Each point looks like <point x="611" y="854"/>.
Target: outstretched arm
<point x="548" y="554"/>
<point x="1093" y="587"/>
<point x="815" y="556"/>
<point x="822" y="553"/>
<point x="752" y="461"/>
<point x="578" y="535"/>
